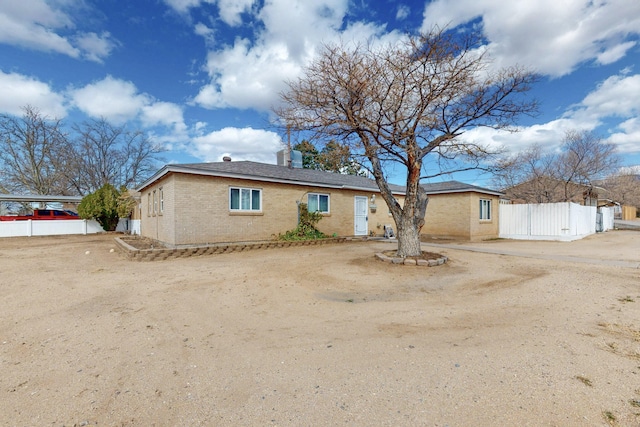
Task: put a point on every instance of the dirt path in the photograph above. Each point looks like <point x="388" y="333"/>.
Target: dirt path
<point x="319" y="336"/>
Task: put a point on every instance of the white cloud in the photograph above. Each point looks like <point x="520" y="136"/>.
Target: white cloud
<point x="95" y="47"/>
<point x="613" y="104"/>
<point x="182" y="6"/>
<point x="252" y="74"/>
<point x="628" y="138"/>
<point x="18" y="91"/>
<point x="403" y="12"/>
<point x="116" y="100"/>
<point x="230" y="10"/>
<point x="238" y="143"/>
<point x="34" y="24"/>
<point x="553" y="36"/>
<point x="245" y="77"/>
<point x="618" y="95"/>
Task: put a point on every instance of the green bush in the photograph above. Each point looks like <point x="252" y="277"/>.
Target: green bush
<point x="306" y="229"/>
<point x="107" y="205"/>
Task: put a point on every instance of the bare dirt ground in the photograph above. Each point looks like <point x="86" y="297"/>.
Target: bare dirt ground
<point x="320" y="336"/>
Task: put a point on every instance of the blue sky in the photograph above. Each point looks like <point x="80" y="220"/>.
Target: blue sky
<point x="201" y="76"/>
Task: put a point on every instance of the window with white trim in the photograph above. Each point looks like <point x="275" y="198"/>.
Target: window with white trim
<point x="155" y="203"/>
<point x="149" y="207"/>
<point x="161" y="200"/>
<point x="318" y="203"/>
<point x="485" y="209"/>
<point x="245" y="199"/>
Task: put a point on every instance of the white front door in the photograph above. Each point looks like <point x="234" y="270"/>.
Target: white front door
<point x="361" y="227"/>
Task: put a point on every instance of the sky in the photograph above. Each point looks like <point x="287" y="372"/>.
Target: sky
<point x="201" y="76"/>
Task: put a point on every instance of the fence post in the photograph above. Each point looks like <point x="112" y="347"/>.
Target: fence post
<point x="29" y="228"/>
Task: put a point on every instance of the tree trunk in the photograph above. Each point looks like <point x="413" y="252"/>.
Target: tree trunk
<point x="408" y="238"/>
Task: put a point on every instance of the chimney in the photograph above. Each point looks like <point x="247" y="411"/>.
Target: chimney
<point x="226" y="159"/>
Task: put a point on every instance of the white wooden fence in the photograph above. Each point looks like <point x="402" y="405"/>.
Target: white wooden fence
<point x="61" y="227"/>
<point x="551" y="221"/>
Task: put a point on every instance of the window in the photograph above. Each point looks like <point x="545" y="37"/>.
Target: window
<point x="155" y="203"/>
<point x="318" y="203"/>
<point x="245" y="199"/>
<point x="149" y="204"/>
<point x="485" y="209"/>
<point x="161" y="197"/>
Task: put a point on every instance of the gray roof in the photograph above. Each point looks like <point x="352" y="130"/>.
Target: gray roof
<point x="309" y="177"/>
<point x="272" y="173"/>
<point x="39" y="198"/>
<point x="457" y="187"/>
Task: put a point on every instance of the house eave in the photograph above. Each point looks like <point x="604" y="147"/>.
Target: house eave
<point x="190" y="171"/>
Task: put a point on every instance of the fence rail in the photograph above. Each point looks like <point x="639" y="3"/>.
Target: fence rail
<point x="61" y="227"/>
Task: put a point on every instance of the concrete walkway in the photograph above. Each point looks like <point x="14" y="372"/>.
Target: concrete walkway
<point x="626" y="225"/>
<point x="553" y="257"/>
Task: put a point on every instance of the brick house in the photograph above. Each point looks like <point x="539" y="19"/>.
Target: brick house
<point x="461" y="211"/>
<point x="229" y="201"/>
<point x="201" y="203"/>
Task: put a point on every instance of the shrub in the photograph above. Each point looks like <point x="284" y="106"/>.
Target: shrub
<point x="106" y="205"/>
<point x="306" y="229"/>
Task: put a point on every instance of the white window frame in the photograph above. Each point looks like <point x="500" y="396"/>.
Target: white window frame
<point x="161" y="199"/>
<point x="318" y="195"/>
<point x="149" y="204"/>
<point x="485" y="209"/>
<point x="240" y="191"/>
<point x="155" y="203"/>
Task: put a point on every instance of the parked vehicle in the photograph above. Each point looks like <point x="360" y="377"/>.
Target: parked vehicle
<point x="42" y="214"/>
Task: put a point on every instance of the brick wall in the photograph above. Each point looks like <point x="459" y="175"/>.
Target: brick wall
<point x="457" y="215"/>
<point x="196" y="211"/>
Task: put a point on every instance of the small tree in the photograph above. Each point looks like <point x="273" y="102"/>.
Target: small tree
<point x="107" y="205"/>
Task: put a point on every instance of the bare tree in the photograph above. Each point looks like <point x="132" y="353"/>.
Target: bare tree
<point x="623" y="187"/>
<point x="108" y="154"/>
<point x="527" y="176"/>
<point x="585" y="157"/>
<point x="408" y="104"/>
<point x="32" y="157"/>
<point x="536" y="176"/>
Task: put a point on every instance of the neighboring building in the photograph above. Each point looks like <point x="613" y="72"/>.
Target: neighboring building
<point x="461" y="211"/>
<point x="201" y="203"/>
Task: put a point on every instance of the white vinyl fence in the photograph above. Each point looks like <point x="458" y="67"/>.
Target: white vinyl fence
<point x="552" y="221"/>
<point x="61" y="227"/>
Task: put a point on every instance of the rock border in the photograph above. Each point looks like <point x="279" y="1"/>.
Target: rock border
<point x="410" y="261"/>
<point x="160" y="254"/>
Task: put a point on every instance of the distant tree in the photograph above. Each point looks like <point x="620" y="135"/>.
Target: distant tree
<point x="333" y="157"/>
<point x="33" y="154"/>
<point x="336" y="157"/>
<point x="107" y="154"/>
<point x="404" y="104"/>
<point x="623" y="187"/>
<point x="309" y="154"/>
<point x="585" y="158"/>
<point x="106" y="205"/>
<point x="536" y="176"/>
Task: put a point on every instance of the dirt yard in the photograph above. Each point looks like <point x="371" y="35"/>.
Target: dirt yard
<point x="320" y="336"/>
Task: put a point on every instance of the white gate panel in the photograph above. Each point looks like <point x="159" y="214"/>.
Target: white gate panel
<point x="547" y="221"/>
